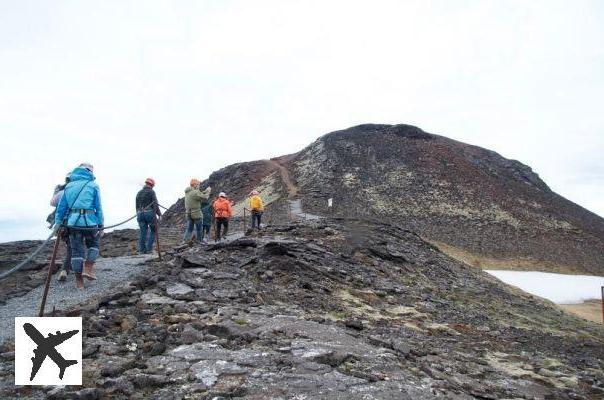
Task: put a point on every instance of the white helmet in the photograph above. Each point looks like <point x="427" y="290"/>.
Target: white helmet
<point x="87" y="166"/>
<point x="222" y="194"/>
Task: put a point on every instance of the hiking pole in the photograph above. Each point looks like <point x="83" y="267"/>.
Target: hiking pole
<point x="51" y="268"/>
<point x="157" y="238"/>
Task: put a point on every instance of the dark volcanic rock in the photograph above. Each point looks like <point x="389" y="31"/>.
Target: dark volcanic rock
<point x="472" y="203"/>
<point x="336" y="320"/>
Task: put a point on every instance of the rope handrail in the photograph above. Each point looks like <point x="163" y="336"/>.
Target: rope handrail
<point x="37" y="251"/>
<point x="99" y="228"/>
<point x="28" y="259"/>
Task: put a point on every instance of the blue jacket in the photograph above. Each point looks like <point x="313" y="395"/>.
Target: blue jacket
<point x="81" y="193"/>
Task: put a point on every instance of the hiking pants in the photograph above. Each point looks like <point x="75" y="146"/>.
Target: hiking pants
<point x="193" y="223"/>
<point x="146" y="223"/>
<point x="67" y="260"/>
<point x="84" y="246"/>
<point x="256" y="219"/>
<point x="220" y="222"/>
<point x="205" y="231"/>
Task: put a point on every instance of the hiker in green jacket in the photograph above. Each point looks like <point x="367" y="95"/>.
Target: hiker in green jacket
<point x="193" y="203"/>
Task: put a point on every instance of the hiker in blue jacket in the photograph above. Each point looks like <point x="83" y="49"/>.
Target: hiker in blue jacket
<point x="80" y="211"/>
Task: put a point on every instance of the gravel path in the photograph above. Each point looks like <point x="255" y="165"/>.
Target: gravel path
<point x="296" y="209"/>
<point x="110" y="272"/>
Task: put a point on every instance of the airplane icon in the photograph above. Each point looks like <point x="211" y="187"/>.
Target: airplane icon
<point x="46" y="347"/>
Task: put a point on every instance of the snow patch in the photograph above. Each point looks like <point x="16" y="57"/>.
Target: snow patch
<point x="559" y="288"/>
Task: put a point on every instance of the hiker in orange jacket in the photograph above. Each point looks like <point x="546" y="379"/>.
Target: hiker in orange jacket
<point x="222" y="213"/>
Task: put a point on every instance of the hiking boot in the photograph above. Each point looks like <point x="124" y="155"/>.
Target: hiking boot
<point x="79" y="281"/>
<point x="88" y="274"/>
<point x="62" y="276"/>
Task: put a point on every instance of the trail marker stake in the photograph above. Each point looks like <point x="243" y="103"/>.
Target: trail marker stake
<point x="51" y="268"/>
<point x="244" y="219"/>
<point x="157" y="238"/>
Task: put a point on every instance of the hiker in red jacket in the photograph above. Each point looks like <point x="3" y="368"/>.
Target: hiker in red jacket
<point x="222" y="213"/>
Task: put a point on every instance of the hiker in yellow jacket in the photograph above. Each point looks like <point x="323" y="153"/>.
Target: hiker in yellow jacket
<point x="257" y="208"/>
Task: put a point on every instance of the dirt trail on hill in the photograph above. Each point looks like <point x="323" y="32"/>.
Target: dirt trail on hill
<point x="292" y="189"/>
<point x="590" y="310"/>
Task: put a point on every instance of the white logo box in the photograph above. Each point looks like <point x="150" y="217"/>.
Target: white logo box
<point x="68" y="352"/>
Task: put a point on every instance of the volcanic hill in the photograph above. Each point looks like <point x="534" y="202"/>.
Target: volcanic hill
<point x="472" y="203"/>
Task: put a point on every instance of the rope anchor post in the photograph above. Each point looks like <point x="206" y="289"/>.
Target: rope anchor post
<point x="244" y="219"/>
<point x="157" y="239"/>
<point x="51" y="268"/>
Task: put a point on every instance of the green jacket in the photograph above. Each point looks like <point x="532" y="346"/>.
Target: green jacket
<point x="193" y="200"/>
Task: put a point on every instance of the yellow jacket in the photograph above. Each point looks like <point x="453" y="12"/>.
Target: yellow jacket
<point x="256" y="203"/>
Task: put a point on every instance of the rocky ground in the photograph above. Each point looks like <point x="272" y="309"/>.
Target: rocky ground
<point x="325" y="309"/>
<point x="61" y="295"/>
<point x="113" y="244"/>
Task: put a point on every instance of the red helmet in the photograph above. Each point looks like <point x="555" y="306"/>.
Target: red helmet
<point x="150" y="181"/>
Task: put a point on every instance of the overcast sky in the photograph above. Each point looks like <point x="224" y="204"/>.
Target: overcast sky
<point x="178" y="89"/>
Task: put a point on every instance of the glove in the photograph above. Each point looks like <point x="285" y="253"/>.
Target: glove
<point x="101" y="230"/>
<point x="55" y="228"/>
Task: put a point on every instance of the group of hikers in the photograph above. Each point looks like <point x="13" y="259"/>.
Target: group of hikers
<point x="78" y="218"/>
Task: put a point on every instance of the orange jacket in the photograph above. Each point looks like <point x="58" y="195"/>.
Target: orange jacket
<point x="222" y="208"/>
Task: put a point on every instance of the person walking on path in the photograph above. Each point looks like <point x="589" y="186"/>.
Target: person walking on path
<point x="222" y="212"/>
<point x="257" y="208"/>
<point x="193" y="201"/>
<point x="81" y="212"/>
<point x="147" y="207"/>
<point x="54" y="201"/>
<point x="63" y="235"/>
<point x="208" y="216"/>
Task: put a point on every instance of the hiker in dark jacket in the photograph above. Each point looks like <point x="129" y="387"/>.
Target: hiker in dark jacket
<point x="147" y="208"/>
<point x="208" y="217"/>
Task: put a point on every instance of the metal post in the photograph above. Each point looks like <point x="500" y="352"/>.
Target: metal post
<point x="244" y="219"/>
<point x="157" y="238"/>
<point x="602" y="289"/>
<point x="51" y="268"/>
